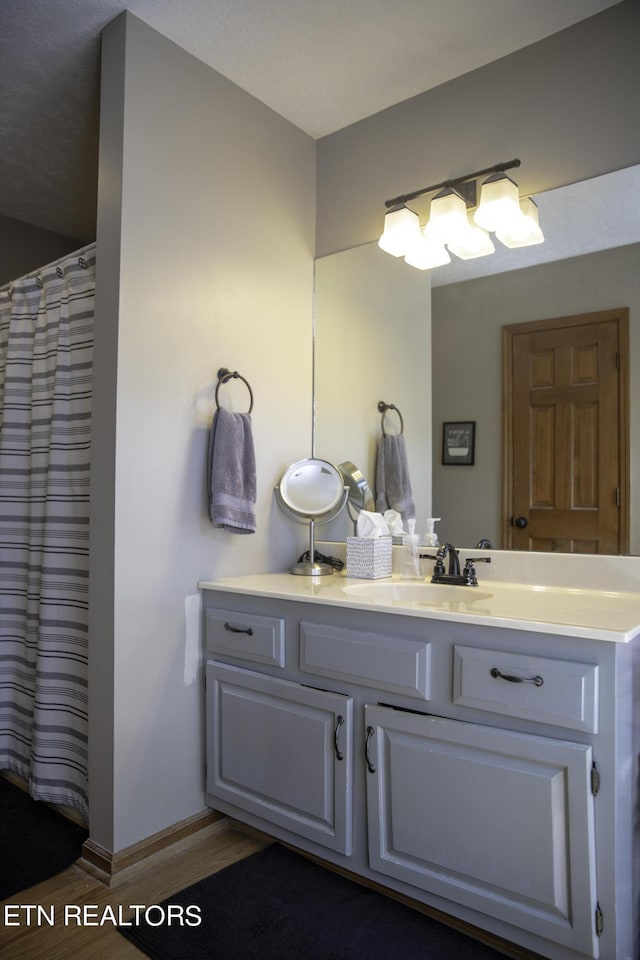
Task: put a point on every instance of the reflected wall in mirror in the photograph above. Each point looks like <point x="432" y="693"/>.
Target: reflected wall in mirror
<point x="590" y="261"/>
<point x="372" y="343"/>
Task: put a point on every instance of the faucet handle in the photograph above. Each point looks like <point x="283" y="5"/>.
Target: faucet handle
<point x="470" y="571"/>
<point x="438" y="566"/>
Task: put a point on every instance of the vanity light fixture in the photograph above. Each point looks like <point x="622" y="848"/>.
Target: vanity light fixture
<point x="499" y="207"/>
<point x="447" y="216"/>
<point x="426" y="253"/>
<point x="473" y="242"/>
<point x="401" y="230"/>
<point x="525" y="231"/>
<point x="456" y="224"/>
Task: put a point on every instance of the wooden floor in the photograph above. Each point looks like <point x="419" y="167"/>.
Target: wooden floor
<point x="148" y="883"/>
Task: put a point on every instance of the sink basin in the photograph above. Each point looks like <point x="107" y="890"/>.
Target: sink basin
<point x="420" y="592"/>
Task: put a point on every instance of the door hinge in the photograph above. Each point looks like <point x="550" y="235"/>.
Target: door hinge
<point x="599" y="921"/>
<point x="617" y="496"/>
<point x="617" y="361"/>
<point x="595" y="779"/>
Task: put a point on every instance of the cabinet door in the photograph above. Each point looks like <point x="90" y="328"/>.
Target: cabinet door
<point x="497" y="821"/>
<point x="281" y="751"/>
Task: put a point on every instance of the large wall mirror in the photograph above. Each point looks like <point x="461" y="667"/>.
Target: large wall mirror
<point x="431" y="344"/>
<point x="372" y="344"/>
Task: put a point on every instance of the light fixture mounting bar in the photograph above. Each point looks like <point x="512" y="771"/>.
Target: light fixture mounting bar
<point x="456" y="181"/>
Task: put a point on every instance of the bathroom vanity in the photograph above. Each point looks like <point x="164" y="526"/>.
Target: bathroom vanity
<point x="473" y="748"/>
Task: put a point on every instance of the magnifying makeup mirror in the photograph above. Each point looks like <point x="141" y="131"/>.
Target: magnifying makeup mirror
<point x="311" y="491"/>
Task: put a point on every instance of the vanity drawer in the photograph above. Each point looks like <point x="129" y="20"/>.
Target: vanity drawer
<point x="374" y="660"/>
<point x="245" y="636"/>
<point x="558" y="692"/>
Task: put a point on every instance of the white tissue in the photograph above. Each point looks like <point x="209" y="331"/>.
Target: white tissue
<point x="393" y="520"/>
<point x="371" y="525"/>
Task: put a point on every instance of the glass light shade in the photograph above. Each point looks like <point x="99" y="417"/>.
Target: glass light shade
<point x="447" y="217"/>
<point x="525" y="231"/>
<point x="499" y="204"/>
<point x="401" y="230"/>
<point x="426" y="253"/>
<point x="473" y="242"/>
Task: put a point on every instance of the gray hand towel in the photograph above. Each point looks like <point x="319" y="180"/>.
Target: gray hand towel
<point x="231" y="472"/>
<point x="393" y="486"/>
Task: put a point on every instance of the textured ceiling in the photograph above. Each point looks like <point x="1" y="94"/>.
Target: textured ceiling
<point x="323" y="65"/>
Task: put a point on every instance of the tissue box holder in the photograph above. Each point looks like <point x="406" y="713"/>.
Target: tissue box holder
<point x="369" y="558"/>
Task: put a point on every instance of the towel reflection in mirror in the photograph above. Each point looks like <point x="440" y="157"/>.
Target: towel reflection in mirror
<point x="393" y="484"/>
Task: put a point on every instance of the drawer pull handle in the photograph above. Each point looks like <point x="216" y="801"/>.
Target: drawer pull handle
<point x="537" y="680"/>
<point x="370" y="766"/>
<point x="231" y="629"/>
<point x="339" y="753"/>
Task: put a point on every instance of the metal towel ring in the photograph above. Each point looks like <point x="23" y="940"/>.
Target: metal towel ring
<point x="224" y="376"/>
<point x="383" y="407"/>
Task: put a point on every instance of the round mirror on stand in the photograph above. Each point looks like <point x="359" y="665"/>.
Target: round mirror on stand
<point x="311" y="491"/>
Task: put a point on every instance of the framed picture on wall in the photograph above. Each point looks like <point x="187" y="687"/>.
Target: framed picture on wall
<point x="459" y="443"/>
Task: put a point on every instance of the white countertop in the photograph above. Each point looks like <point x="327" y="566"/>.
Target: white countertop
<point x="598" y="614"/>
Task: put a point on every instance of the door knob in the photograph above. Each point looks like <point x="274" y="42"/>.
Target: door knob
<point x="521" y="522"/>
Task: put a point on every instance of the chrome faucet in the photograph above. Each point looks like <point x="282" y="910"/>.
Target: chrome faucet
<point x="468" y="576"/>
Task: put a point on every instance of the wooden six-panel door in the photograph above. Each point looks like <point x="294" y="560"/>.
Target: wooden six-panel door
<point x="565" y="434"/>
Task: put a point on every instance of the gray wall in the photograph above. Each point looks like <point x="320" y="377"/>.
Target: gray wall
<point x="467" y="380"/>
<point x="565" y="106"/>
<point x="24" y="248"/>
<point x="205" y="253"/>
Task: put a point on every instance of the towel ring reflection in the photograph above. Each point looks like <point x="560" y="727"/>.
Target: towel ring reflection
<point x="383" y="407"/>
<point x="224" y="376"/>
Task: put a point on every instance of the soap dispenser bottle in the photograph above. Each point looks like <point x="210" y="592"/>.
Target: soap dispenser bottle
<point x="430" y="538"/>
<point x="411" y="565"/>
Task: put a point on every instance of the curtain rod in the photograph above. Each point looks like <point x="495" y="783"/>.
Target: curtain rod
<point x="47" y="266"/>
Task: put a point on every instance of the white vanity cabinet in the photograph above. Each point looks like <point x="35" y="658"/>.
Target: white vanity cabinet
<point x="488" y="773"/>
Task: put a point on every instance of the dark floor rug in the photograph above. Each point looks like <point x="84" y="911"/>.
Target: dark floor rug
<point x="276" y="905"/>
<point x="35" y="842"/>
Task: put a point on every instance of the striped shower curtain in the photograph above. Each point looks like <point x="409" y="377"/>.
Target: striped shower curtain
<point x="46" y="347"/>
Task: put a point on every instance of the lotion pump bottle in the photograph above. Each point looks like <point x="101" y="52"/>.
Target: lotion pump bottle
<point x="431" y="537"/>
